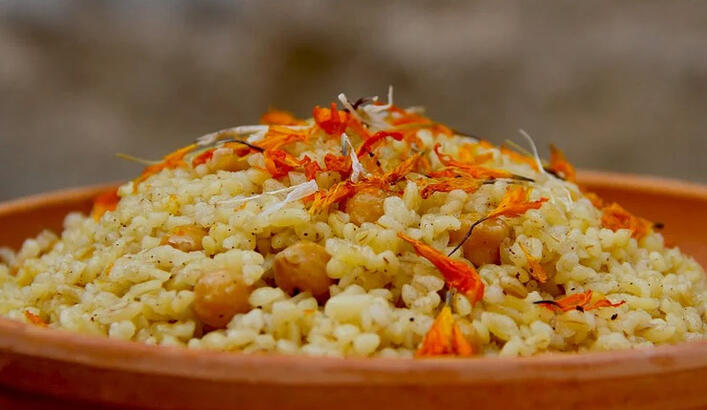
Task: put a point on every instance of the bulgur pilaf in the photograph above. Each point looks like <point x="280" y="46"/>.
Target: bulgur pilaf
<point x="367" y="230"/>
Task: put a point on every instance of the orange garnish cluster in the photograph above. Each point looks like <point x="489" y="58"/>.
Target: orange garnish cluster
<point x="444" y="338"/>
<point x="615" y="217"/>
<point x="343" y="190"/>
<point x="34" y="319"/>
<point x="456" y="273"/>
<point x="577" y="301"/>
<point x="105" y="202"/>
<point x="464" y="173"/>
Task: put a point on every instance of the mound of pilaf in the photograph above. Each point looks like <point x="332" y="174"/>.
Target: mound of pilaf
<point x="329" y="236"/>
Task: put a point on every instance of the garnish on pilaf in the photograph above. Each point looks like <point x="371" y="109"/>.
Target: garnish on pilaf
<point x="338" y="234"/>
<point x="578" y="301"/>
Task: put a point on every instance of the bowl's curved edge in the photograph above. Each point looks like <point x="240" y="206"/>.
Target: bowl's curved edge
<point x="653" y="184"/>
<point x="69" y="195"/>
<point x="59" y="345"/>
<point x="18" y="338"/>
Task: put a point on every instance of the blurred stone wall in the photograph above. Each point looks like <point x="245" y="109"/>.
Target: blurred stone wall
<point x="618" y="85"/>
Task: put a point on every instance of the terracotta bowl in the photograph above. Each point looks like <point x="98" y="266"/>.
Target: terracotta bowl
<point x="42" y="368"/>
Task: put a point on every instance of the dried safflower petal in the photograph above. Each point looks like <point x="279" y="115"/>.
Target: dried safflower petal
<point x="444" y="338"/>
<point x="615" y="217"/>
<point x="577" y="301"/>
<point x="105" y="202"/>
<point x="457" y="274"/>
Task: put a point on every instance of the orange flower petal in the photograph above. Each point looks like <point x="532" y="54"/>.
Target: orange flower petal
<point x="203" y="158"/>
<point x="468" y="153"/>
<point x="369" y="144"/>
<point x="277" y="117"/>
<point x="456" y="273"/>
<point x="603" y="303"/>
<point x="515" y="203"/>
<point x="402" y="170"/>
<point x="105" y="202"/>
<point x="461" y="345"/>
<point x="519" y="157"/>
<point x="171" y="161"/>
<point x="34" y="319"/>
<point x="338" y="163"/>
<point x="560" y="165"/>
<point x="578" y="301"/>
<point x="279" y="163"/>
<point x="535" y="269"/>
<point x="474" y="170"/>
<point x="449" y="184"/>
<point x="311" y="168"/>
<point x="331" y="120"/>
<point x="337" y="193"/>
<point x="615" y="217"/>
<point x="277" y="137"/>
<point x="444" y="338"/>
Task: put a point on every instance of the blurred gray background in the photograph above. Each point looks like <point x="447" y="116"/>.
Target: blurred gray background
<point x="618" y="85"/>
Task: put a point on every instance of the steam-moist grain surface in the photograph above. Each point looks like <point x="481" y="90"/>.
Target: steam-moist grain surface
<point x="186" y="260"/>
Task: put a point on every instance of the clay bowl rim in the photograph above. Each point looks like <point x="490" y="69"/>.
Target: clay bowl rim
<point x="98" y="352"/>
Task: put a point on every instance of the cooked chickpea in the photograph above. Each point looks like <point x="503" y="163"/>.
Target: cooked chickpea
<point x="483" y="245"/>
<point x="218" y="296"/>
<point x="186" y="238"/>
<point x="302" y="268"/>
<point x="365" y="206"/>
